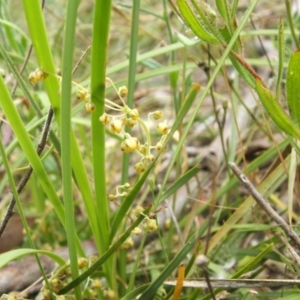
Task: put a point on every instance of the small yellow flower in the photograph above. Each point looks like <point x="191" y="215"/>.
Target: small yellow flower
<point x="137" y="211"/>
<point x="129" y="243"/>
<point x="81" y="94"/>
<point x="123" y="91"/>
<point x="143" y="149"/>
<point x="116" y="126"/>
<point x="82" y="262"/>
<point x="150" y="157"/>
<point x="157" y="115"/>
<point x="150" y="225"/>
<point x="132" y="143"/>
<point x="37" y="76"/>
<point x="134" y="114"/>
<point x="90" y="107"/>
<point x="159" y="146"/>
<point x="137" y="231"/>
<point x="130" y="122"/>
<point x="105" y="119"/>
<point x="140" y="167"/>
<point x="162" y="128"/>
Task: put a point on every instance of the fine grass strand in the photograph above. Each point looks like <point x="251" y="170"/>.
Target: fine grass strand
<point x="102" y="12"/>
<point x="66" y="86"/>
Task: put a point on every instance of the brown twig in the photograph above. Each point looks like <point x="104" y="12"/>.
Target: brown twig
<point x="26" y="177"/>
<point x="265" y="205"/>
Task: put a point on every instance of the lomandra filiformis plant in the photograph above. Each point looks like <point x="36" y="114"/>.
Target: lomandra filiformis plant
<point x="218" y="28"/>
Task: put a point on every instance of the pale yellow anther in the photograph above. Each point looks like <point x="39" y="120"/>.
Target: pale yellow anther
<point x="158" y="146"/>
<point x="150" y="157"/>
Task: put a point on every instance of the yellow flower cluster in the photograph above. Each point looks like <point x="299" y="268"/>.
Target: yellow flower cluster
<point x="130" y="117"/>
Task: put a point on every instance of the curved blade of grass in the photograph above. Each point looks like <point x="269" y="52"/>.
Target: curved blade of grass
<point x="17" y="126"/>
<point x="136" y="292"/>
<point x="190" y="98"/>
<point x="243" y="68"/>
<point x="275" y="111"/>
<point x="27" y="93"/>
<point x="293" y="86"/>
<point x="253" y="261"/>
<point x="36" y="26"/>
<point x="111" y="250"/>
<point x="263" y="188"/>
<point x="194" y="24"/>
<point x="178" y="184"/>
<point x="12" y="255"/>
<point x="175" y="263"/>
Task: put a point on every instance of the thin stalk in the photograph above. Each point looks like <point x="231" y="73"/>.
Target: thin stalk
<point x="66" y="87"/>
<point x="102" y="11"/>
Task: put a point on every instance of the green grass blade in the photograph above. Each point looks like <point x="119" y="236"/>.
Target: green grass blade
<point x="293" y="87"/>
<point x="194" y="24"/>
<point x="175" y="263"/>
<point x="7" y="257"/>
<point x="66" y="86"/>
<point x="102" y="11"/>
<point x="15" y="121"/>
<point x="263" y="188"/>
<point x="112" y="249"/>
<point x="275" y="111"/>
<point x="36" y="26"/>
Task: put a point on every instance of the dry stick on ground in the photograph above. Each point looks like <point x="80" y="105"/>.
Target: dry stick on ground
<point x="265" y="205"/>
<point x="26" y="177"/>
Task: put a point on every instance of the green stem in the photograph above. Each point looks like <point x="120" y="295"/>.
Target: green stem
<point x="102" y="11"/>
<point x="66" y="93"/>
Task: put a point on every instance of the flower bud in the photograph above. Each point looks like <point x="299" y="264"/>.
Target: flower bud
<point x="140" y="167"/>
<point x="81" y="94"/>
<point x="129" y="243"/>
<point x="90" y="107"/>
<point x="37" y="76"/>
<point x="150" y="225"/>
<point x="134" y="113"/>
<point x="123" y="91"/>
<point x="105" y="119"/>
<point x="157" y="115"/>
<point x="137" y="211"/>
<point x="162" y="128"/>
<point x="116" y="126"/>
<point x="137" y="231"/>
